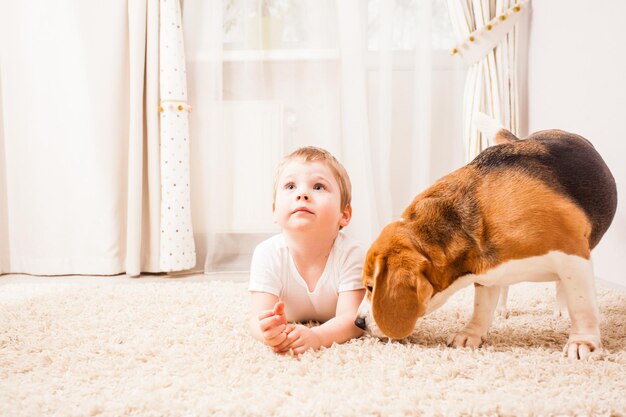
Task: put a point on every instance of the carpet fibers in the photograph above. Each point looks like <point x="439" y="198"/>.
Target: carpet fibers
<point x="178" y="348"/>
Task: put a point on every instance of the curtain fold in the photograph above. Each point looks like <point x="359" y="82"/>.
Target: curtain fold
<point x="356" y="147"/>
<point x="151" y="219"/>
<point x="421" y="149"/>
<point x="384" y="111"/>
<point x="137" y="32"/>
<point x="210" y="163"/>
<point x="4" y="212"/>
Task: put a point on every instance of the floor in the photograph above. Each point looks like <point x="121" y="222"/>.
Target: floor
<point x="50" y="284"/>
<point x="32" y="286"/>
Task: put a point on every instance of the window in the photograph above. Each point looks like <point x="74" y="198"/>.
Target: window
<point x="311" y="24"/>
<point x="405" y="18"/>
<point x="279" y="24"/>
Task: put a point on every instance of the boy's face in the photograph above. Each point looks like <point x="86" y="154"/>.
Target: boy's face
<point x="308" y="199"/>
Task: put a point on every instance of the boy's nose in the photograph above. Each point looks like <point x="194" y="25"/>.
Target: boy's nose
<point x="302" y="197"/>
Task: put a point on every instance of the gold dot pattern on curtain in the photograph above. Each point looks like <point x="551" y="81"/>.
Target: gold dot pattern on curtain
<point x="177" y="251"/>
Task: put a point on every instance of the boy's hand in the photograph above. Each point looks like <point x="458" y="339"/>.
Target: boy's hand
<point x="279" y="310"/>
<point x="299" y="340"/>
<point x="273" y="325"/>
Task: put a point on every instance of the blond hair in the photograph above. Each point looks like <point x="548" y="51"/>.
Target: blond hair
<point x="313" y="154"/>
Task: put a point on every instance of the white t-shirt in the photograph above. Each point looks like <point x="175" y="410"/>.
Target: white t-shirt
<point x="274" y="271"/>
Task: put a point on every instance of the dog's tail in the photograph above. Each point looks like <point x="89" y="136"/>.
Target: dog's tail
<point x="494" y="131"/>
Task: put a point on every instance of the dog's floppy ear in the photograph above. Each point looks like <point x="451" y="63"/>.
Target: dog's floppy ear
<point x="399" y="298"/>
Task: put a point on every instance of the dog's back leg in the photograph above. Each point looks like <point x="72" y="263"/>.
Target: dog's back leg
<point x="576" y="276"/>
<point x="560" y="304"/>
<point x="501" y="310"/>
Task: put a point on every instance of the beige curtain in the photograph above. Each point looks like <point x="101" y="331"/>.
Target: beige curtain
<point x="80" y="170"/>
<point x="489" y="37"/>
<point x="143" y="190"/>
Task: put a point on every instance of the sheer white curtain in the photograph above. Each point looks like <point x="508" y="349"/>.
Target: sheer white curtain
<point x="80" y="175"/>
<point x="266" y="77"/>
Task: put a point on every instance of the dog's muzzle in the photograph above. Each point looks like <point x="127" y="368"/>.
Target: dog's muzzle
<point x="360" y="323"/>
<point x="365" y="321"/>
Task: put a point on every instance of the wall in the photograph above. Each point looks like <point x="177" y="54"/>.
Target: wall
<point x="577" y="82"/>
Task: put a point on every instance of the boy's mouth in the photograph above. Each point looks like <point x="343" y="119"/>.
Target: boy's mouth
<point x="302" y="209"/>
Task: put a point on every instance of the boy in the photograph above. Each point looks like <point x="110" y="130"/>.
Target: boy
<point x="311" y="271"/>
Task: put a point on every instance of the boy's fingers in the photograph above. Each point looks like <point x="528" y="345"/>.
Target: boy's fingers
<point x="291" y="346"/>
<point x="300" y="350"/>
<point x="270" y="322"/>
<point x="289" y="341"/>
<point x="280" y="346"/>
<point x="279" y="308"/>
<point x="274" y="332"/>
<point x="276" y="340"/>
<point x="280" y="319"/>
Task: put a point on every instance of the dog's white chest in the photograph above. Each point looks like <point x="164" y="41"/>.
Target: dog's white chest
<point x="547" y="267"/>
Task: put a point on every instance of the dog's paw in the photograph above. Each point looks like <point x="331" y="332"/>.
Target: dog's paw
<point x="465" y="339"/>
<point x="575" y="348"/>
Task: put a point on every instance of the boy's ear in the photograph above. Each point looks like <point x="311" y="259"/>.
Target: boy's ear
<point x="346" y="215"/>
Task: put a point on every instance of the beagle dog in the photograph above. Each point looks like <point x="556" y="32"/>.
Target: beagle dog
<point x="522" y="210"/>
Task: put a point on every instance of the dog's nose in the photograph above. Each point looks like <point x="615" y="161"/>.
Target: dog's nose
<point x="360" y="323"/>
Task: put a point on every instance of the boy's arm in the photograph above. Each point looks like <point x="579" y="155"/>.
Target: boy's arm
<point x="341" y="328"/>
<point x="263" y="317"/>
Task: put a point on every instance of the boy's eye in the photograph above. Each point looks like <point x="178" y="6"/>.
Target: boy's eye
<point x="319" y="186"/>
<point x="290" y="186"/>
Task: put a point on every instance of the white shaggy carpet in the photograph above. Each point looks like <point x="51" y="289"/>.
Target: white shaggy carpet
<point x="181" y="348"/>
